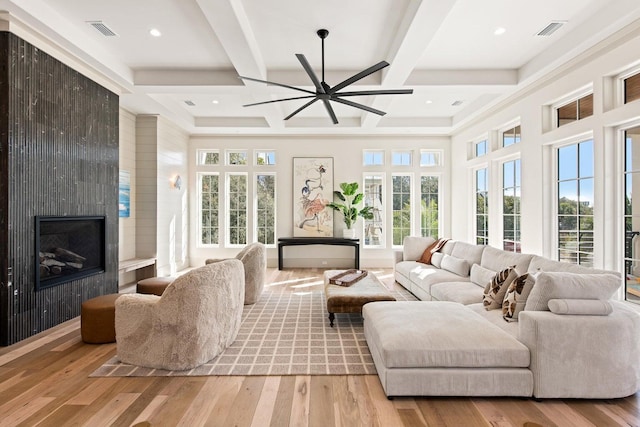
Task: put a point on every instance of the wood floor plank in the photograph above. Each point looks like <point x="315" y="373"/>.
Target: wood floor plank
<point x="300" y="402"/>
<point x="112" y="410"/>
<point x="618" y="415"/>
<point x="244" y="405"/>
<point x="229" y="387"/>
<point x="409" y="412"/>
<point x="520" y="411"/>
<point x="346" y="402"/>
<point x="179" y="402"/>
<point x="151" y="409"/>
<point x="562" y="414"/>
<point x="267" y="402"/>
<point x="59" y="417"/>
<point x="202" y="405"/>
<point x="91" y="391"/>
<point x="282" y="408"/>
<point x="24" y="411"/>
<point x="451" y="412"/>
<point x="321" y="408"/>
<point x="366" y="409"/>
<point x="386" y="414"/>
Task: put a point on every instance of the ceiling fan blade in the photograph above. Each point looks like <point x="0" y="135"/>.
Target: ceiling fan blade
<point x="279" y="100"/>
<point x="360" y="75"/>
<point x="360" y="106"/>
<point x="376" y="92"/>
<point x="329" y="108"/>
<point x="301" y="108"/>
<point x="276" y="84"/>
<point x="309" y="70"/>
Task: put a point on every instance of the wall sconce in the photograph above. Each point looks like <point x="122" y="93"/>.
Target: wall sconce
<point x="177" y="182"/>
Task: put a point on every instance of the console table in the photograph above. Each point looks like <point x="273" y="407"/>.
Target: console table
<point x="298" y="241"/>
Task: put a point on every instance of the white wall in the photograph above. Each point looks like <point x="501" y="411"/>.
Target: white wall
<point x="127" y="226"/>
<point x="597" y="68"/>
<point x="348" y="160"/>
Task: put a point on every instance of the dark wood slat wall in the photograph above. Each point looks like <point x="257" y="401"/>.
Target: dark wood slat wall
<point x="59" y="151"/>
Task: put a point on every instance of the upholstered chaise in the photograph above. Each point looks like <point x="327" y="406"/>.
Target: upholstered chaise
<point x="254" y="259"/>
<point x="197" y="317"/>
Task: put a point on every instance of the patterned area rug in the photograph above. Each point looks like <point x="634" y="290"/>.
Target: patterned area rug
<point x="285" y="333"/>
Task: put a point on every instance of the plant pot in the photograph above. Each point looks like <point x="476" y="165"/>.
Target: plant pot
<point x="349" y="233"/>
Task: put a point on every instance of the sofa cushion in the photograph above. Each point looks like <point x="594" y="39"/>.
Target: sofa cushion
<point x="516" y="297"/>
<point x="419" y="334"/>
<point x="497" y="260"/>
<point x="495" y="317"/>
<point x="481" y="276"/>
<point x="425" y="276"/>
<point x="554" y="285"/>
<point x="436" y="259"/>
<point x="471" y="253"/>
<point x="462" y="292"/>
<point x="589" y="307"/>
<point x="455" y="265"/>
<point x="495" y="290"/>
<point x="413" y="247"/>
<point x="405" y="267"/>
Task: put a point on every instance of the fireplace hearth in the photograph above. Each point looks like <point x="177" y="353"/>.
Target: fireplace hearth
<point x="68" y="248"/>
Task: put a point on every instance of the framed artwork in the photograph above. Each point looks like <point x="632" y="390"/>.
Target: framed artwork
<point x="312" y="190"/>
<point x="124" y="195"/>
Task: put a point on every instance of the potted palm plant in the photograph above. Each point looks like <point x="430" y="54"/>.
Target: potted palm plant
<point x="348" y="206"/>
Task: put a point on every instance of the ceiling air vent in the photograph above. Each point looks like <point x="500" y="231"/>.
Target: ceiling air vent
<point x="456" y="103"/>
<point x="551" y="28"/>
<point x="190" y="103"/>
<point x="102" y="27"/>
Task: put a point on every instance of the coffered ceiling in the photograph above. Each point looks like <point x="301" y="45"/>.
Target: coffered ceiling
<point x="446" y="50"/>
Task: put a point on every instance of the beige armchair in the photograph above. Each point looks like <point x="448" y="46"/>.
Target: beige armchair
<point x="194" y="320"/>
<point x="254" y="259"/>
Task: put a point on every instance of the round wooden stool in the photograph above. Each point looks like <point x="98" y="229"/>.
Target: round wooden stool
<point x="98" y="319"/>
<point x="154" y="285"/>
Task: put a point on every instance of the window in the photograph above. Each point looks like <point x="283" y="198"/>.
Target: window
<point x="575" y="203"/>
<point x="266" y="208"/>
<point x="482" y="205"/>
<point x="511" y="205"/>
<point x="575" y="110"/>
<point x="208" y="157"/>
<point x="401" y="185"/>
<point x="373" y="228"/>
<point x="237" y="209"/>
<point x="481" y="148"/>
<point x="429" y="206"/>
<point x="632" y="88"/>
<point x="632" y="214"/>
<point x="429" y="158"/>
<point x="237" y="158"/>
<point x="511" y="136"/>
<point x="401" y="158"/>
<point x="208" y="189"/>
<point x="265" y="158"/>
<point x="373" y="158"/>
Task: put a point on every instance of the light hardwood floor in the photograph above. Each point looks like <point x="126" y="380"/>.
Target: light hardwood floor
<point x="44" y="381"/>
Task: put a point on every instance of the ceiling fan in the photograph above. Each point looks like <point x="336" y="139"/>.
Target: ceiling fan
<point x="326" y="93"/>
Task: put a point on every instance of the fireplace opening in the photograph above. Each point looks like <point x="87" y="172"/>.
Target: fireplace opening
<point x="68" y="248"/>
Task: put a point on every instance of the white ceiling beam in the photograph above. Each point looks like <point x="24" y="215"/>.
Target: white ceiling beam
<point x="230" y="22"/>
<point x="421" y="22"/>
<point x="462" y="78"/>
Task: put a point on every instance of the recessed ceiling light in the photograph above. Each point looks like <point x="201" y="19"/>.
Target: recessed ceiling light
<point x="155" y="32"/>
<point x="499" y="31"/>
<point x="428" y="101"/>
<point x="215" y="101"/>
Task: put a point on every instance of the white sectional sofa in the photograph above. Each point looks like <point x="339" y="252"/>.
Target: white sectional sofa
<point x="448" y="344"/>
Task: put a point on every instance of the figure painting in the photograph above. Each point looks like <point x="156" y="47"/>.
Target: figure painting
<point x="312" y="191"/>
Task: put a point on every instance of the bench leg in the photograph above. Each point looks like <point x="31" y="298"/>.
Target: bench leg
<point x="331" y="317"/>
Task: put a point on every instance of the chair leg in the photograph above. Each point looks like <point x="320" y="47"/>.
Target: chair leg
<point x="331" y="317"/>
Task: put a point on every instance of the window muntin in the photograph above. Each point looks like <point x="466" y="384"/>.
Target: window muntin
<point x="511" y="136"/>
<point x="481" y="148"/>
<point x="401" y="207"/>
<point x="237" y="209"/>
<point x="575" y="203"/>
<point x="265" y="208"/>
<point x="373" y="157"/>
<point x="373" y="196"/>
<point x="482" y="206"/>
<point x="511" y="205"/>
<point x="632" y="214"/>
<point x="265" y="158"/>
<point x="575" y="110"/>
<point x="208" y="157"/>
<point x="401" y="158"/>
<point x="430" y="158"/>
<point x="631" y="87"/>
<point x="429" y="202"/>
<point x="209" y="209"/>
<point x="237" y="157"/>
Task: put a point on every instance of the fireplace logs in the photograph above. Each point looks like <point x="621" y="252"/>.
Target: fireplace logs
<point x="59" y="261"/>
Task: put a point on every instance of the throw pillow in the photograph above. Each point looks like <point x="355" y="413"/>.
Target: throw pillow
<point x="436" y="259"/>
<point x="516" y="296"/>
<point x="586" y="307"/>
<point x="557" y="285"/>
<point x="481" y="276"/>
<point x="495" y="290"/>
<point x="431" y="249"/>
<point x="455" y="265"/>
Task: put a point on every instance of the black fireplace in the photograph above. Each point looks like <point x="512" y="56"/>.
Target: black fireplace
<point x="68" y="248"/>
